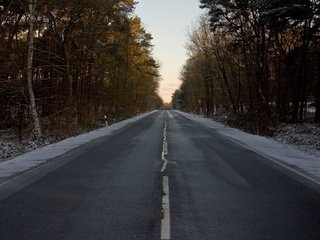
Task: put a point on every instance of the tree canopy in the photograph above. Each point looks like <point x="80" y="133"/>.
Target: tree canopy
<point x="257" y="58"/>
<point x="91" y="58"/>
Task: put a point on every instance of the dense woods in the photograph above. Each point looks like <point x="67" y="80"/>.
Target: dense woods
<point x="69" y="64"/>
<point x="259" y="60"/>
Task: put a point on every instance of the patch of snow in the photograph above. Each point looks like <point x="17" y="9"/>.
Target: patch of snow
<point x="289" y="155"/>
<point x="43" y="154"/>
<point x="10" y="147"/>
<point x="306" y="136"/>
<point x="311" y="109"/>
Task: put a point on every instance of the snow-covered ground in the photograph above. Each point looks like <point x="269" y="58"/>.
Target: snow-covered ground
<point x="305" y="136"/>
<point x="43" y="154"/>
<point x="11" y="147"/>
<point x="296" y="156"/>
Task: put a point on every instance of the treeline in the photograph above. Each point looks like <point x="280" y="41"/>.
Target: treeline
<point x="69" y="64"/>
<point x="254" y="58"/>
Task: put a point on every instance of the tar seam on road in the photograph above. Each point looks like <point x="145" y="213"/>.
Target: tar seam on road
<point x="165" y="209"/>
<point x="165" y="221"/>
<point x="164" y="147"/>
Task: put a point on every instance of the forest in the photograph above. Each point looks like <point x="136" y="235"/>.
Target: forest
<point x="256" y="61"/>
<point x="72" y="64"/>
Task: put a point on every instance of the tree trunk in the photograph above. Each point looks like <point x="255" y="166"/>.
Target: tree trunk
<point x="301" y="81"/>
<point x="317" y="97"/>
<point x="33" y="107"/>
<point x="226" y="82"/>
<point x="69" y="81"/>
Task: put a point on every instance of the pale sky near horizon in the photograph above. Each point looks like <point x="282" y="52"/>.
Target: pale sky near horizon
<point x="168" y="22"/>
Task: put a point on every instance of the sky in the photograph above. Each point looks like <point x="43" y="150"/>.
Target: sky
<point x="168" y="21"/>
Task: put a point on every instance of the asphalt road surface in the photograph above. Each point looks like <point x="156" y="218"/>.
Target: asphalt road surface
<point x="165" y="177"/>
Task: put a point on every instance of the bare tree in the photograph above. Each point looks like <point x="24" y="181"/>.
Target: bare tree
<point x="34" y="113"/>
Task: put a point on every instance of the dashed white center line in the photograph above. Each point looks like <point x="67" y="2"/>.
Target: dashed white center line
<point x="165" y="222"/>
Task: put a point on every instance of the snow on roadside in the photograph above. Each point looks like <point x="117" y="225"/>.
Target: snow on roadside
<point x="10" y="147"/>
<point x="305" y="136"/>
<point x="289" y="155"/>
<point x="43" y="154"/>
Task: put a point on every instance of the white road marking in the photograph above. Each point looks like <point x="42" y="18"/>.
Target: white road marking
<point x="164" y="166"/>
<point x="164" y="147"/>
<point x="165" y="221"/>
<point x="170" y="114"/>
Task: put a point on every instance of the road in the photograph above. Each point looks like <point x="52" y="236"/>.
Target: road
<point x="164" y="177"/>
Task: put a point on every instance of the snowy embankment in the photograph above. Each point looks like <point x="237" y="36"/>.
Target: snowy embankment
<point x="306" y="163"/>
<point x="41" y="155"/>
